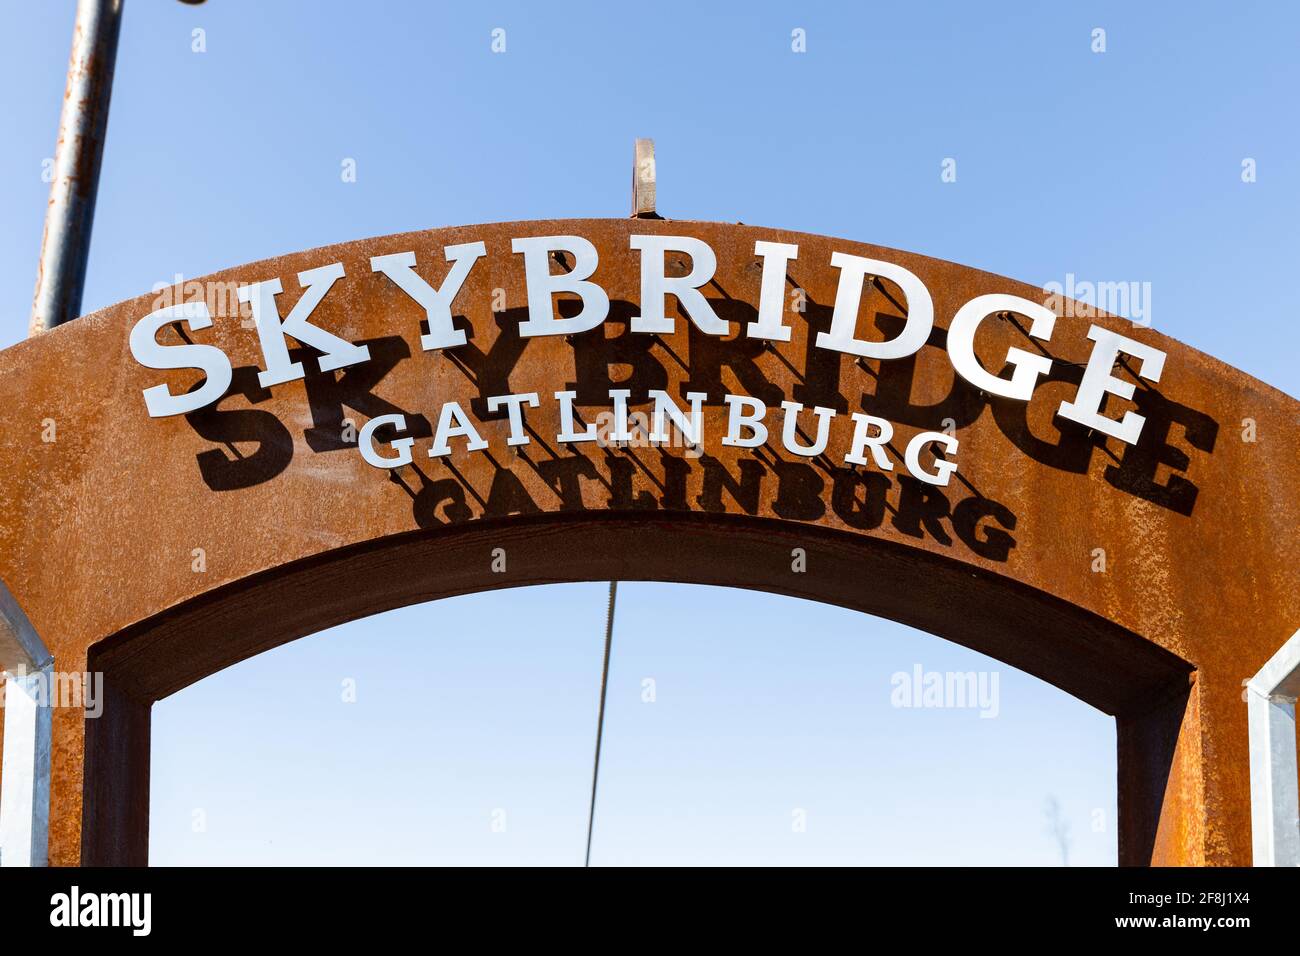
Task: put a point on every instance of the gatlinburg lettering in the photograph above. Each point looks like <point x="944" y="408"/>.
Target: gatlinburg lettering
<point x="748" y="419"/>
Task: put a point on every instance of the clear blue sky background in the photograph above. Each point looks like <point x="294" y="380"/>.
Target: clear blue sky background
<point x="1121" y="166"/>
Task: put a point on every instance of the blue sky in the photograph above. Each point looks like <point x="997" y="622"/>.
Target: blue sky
<point x="763" y="706"/>
<point x="1117" y="166"/>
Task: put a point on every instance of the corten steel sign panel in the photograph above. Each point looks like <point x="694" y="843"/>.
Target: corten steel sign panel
<point x="99" y="528"/>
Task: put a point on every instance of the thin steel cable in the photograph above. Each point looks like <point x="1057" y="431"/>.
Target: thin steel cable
<point x="600" y="717"/>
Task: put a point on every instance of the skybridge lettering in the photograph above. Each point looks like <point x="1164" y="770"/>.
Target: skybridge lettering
<point x="664" y="277"/>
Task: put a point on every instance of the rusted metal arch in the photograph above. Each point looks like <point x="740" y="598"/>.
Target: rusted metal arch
<point x="1198" y="525"/>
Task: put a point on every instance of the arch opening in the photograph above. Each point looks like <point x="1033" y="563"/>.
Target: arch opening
<point x="741" y="727"/>
<point x="1146" y="689"/>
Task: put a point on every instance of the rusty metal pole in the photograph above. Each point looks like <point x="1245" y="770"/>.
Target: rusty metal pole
<point x="65" y="245"/>
<point x="643" y="180"/>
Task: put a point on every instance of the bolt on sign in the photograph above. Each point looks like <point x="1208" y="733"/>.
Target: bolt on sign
<point x="354" y="428"/>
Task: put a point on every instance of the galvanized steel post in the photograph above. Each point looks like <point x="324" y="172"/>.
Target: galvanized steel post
<point x="83" y="125"/>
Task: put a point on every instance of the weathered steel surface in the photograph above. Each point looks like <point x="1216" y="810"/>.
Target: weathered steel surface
<point x="98" y="529"/>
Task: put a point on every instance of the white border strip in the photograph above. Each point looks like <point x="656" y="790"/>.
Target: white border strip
<point x="1274" y="802"/>
<point x="25" y="774"/>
